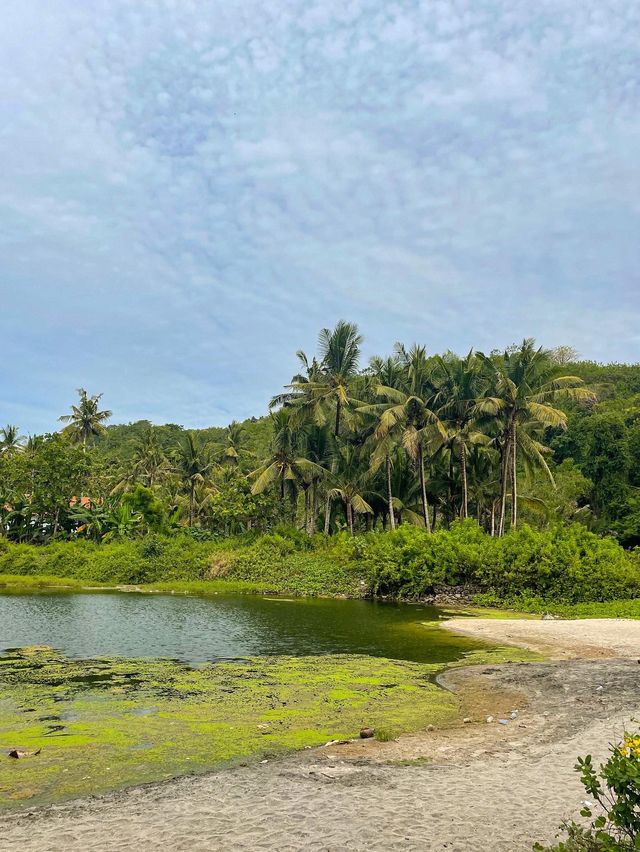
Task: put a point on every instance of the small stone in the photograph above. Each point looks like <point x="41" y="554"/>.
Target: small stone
<point x="366" y="733"/>
<point x="489" y="719"/>
<point x="513" y="714"/>
<point x="467" y="720"/>
<point x="503" y="721"/>
<point x="599" y="688"/>
<point x="431" y="727"/>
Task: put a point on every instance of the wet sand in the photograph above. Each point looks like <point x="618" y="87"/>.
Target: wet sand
<point x="477" y="787"/>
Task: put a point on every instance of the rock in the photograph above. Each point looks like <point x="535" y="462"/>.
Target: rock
<point x="431" y="728"/>
<point x="489" y="719"/>
<point x="503" y="721"/>
<point x="467" y="721"/>
<point x="19" y="753"/>
<point x="366" y="733"/>
<point x="599" y="688"/>
<point x="513" y="714"/>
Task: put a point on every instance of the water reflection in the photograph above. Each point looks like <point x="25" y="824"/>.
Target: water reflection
<point x="196" y="629"/>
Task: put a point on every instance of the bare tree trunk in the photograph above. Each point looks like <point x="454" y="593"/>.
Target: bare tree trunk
<point x="465" y="488"/>
<point x="57" y="522"/>
<point x="514" y="479"/>
<point x="392" y="519"/>
<point x="493" y="518"/>
<point x="423" y="490"/>
<point x="434" y="515"/>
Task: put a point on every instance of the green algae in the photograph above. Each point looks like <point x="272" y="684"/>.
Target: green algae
<point x="109" y="723"/>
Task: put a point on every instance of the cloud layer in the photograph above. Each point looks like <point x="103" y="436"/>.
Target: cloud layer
<point x="191" y="189"/>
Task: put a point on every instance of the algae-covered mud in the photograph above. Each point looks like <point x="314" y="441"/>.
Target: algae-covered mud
<point x="101" y="722"/>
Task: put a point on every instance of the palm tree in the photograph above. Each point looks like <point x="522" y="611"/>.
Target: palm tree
<point x="192" y="463"/>
<point x="285" y="465"/>
<point x="326" y="385"/>
<point x="233" y="446"/>
<point x="85" y="420"/>
<point x="522" y="388"/>
<point x="149" y="462"/>
<point x="385" y="372"/>
<point x="351" y="478"/>
<point x="11" y="441"/>
<point x="459" y="387"/>
<point x="409" y="411"/>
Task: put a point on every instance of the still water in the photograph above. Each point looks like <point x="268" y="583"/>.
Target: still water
<point x="196" y="629"/>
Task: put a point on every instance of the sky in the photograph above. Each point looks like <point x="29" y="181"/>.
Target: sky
<point x="191" y="189"/>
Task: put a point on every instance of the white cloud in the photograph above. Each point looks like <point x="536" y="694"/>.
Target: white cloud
<point x="190" y="190"/>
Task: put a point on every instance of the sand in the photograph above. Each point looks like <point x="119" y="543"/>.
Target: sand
<point x="589" y="638"/>
<point x="478" y="787"/>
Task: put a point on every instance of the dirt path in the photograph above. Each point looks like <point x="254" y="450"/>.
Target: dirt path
<point x="480" y="787"/>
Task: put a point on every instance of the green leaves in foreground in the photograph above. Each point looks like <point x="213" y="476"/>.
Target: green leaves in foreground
<point x="614" y="813"/>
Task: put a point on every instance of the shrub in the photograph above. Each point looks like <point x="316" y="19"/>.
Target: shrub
<point x="616" y="793"/>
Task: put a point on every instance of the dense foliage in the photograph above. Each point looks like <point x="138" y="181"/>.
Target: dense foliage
<point x="614" y="813"/>
<point x="568" y="565"/>
<point x="415" y="440"/>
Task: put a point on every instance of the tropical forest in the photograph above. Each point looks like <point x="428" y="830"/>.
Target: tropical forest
<point x="513" y="473"/>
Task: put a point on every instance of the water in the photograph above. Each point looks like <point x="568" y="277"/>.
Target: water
<point x="197" y="629"/>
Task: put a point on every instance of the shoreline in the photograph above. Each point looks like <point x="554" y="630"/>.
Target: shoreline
<point x="514" y="782"/>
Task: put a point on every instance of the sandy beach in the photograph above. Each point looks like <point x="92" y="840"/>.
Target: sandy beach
<point x="477" y="787"/>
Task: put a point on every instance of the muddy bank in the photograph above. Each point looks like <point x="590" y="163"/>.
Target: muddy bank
<point x="480" y="786"/>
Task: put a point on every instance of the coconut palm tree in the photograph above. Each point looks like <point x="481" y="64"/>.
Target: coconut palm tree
<point x="350" y="479"/>
<point x="460" y="384"/>
<point x="522" y="388"/>
<point x="410" y="412"/>
<point x="11" y="441"/>
<point x="86" y="420"/>
<point x="326" y="387"/>
<point x="233" y="446"/>
<point x="192" y="463"/>
<point x="149" y="462"/>
<point x="286" y="465"/>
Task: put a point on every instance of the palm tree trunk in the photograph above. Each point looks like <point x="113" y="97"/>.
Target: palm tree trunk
<point x="514" y="479"/>
<point x="191" y="495"/>
<point x="465" y="487"/>
<point x="493" y="518"/>
<point x="314" y="506"/>
<point x="504" y="479"/>
<point x="392" y="519"/>
<point x="306" y="510"/>
<point x="434" y="515"/>
<point x="423" y="489"/>
<point x="350" y="517"/>
<point x="327" y="515"/>
<point x="338" y="412"/>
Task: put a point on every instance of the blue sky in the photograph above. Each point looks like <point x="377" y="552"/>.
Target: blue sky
<point x="191" y="189"/>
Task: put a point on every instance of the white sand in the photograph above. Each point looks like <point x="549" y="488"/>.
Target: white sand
<point x="587" y="638"/>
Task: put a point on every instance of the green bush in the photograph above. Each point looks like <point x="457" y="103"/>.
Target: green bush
<point x="615" y="813"/>
<point x="567" y="565"/>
